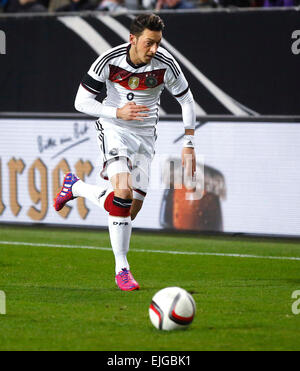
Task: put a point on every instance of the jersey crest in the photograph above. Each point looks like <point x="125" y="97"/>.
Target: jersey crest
<point x="136" y="81"/>
<point x="133" y="82"/>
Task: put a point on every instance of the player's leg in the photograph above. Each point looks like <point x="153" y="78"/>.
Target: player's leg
<point x="78" y="188"/>
<point x="74" y="187"/>
<point x="100" y="196"/>
<point x="119" y="221"/>
<point x="141" y="175"/>
<point x="91" y="192"/>
<point x="135" y="208"/>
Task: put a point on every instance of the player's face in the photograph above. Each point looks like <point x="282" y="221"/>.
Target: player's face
<point x="145" y="46"/>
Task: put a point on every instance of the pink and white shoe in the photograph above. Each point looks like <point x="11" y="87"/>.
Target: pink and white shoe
<point x="65" y="193"/>
<point x="125" y="281"/>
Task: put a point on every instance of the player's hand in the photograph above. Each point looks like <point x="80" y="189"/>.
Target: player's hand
<point x="189" y="160"/>
<point x="132" y="111"/>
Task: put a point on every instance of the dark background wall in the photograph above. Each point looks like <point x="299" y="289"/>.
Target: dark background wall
<point x="248" y="55"/>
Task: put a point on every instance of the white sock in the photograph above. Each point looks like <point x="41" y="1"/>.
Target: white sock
<point x="120" y="233"/>
<point x="91" y="192"/>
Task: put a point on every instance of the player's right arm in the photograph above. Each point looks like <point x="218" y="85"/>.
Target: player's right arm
<point x="86" y="102"/>
<point x="90" y="87"/>
<point x="132" y="111"/>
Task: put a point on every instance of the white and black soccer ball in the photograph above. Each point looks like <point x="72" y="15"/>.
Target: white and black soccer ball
<point x="172" y="308"/>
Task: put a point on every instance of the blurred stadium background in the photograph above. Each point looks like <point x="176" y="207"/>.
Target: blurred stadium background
<point x="243" y="68"/>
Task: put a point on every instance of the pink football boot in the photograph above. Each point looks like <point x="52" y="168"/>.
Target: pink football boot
<point x="65" y="193"/>
<point x="125" y="281"/>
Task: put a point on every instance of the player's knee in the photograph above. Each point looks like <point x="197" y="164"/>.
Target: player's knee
<point x="135" y="208"/>
<point x="133" y="214"/>
<point x="125" y="193"/>
<point x="120" y="207"/>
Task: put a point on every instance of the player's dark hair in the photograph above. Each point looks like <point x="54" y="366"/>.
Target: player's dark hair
<point x="150" y="21"/>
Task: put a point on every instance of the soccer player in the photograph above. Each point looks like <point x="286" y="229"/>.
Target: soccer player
<point x="135" y="75"/>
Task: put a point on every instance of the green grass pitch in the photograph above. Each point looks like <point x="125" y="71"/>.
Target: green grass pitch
<point x="60" y="298"/>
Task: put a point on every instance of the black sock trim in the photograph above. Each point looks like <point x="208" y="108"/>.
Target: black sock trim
<point x="121" y="202"/>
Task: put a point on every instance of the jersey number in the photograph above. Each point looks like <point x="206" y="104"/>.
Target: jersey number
<point x="130" y="96"/>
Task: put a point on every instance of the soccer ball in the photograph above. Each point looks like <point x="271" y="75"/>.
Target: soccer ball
<point x="172" y="308"/>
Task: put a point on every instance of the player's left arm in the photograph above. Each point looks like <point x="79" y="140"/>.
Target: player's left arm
<point x="188" y="154"/>
<point x="178" y="86"/>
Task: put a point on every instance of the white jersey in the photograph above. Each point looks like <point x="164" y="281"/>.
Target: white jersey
<point x="142" y="84"/>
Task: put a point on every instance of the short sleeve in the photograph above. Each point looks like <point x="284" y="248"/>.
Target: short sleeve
<point x="94" y="80"/>
<point x="98" y="74"/>
<point x="99" y="70"/>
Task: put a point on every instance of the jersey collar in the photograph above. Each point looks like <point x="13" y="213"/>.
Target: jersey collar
<point x="128" y="60"/>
